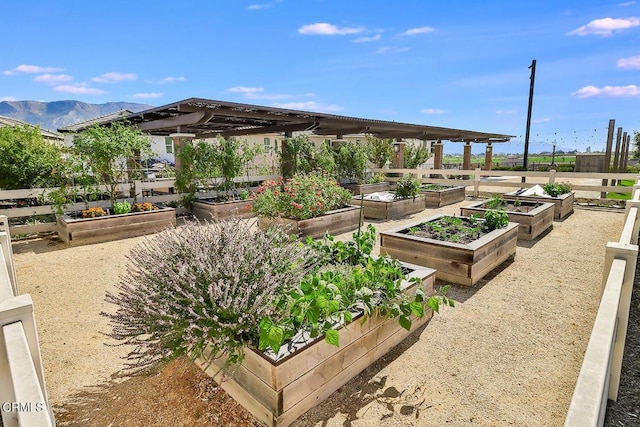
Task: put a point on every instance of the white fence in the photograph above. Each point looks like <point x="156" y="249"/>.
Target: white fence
<point x="481" y="179"/>
<point x="23" y="393"/>
<point x="599" y="377"/>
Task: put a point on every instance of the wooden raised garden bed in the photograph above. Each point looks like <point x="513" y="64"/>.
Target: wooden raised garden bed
<point x="279" y="389"/>
<point x="534" y="218"/>
<point x="443" y="196"/>
<point x="85" y="231"/>
<point x="208" y="210"/>
<point x="563" y="204"/>
<point x="457" y="263"/>
<point x="358" y="189"/>
<point x="334" y="222"/>
<point x="398" y="208"/>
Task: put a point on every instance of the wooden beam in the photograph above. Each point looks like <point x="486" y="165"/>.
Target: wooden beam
<point x="269" y="129"/>
<point x="172" y="122"/>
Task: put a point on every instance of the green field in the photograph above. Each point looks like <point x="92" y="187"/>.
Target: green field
<point x="457" y="159"/>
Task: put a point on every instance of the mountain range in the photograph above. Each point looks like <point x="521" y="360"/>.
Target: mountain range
<point x="57" y="114"/>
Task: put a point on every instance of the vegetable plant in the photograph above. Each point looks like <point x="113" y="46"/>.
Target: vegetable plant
<point x="557" y="189"/>
<point x="122" y="207"/>
<point x="407" y="187"/>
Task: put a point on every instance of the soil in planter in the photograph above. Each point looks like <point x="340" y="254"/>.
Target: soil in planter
<point x="449" y="229"/>
<point x="436" y="187"/>
<point x="223" y="199"/>
<point x="512" y="206"/>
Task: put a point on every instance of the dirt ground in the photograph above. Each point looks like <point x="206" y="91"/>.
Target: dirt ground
<point x="508" y="354"/>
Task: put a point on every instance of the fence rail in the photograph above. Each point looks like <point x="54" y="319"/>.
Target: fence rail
<point x="23" y="390"/>
<point x="599" y="377"/>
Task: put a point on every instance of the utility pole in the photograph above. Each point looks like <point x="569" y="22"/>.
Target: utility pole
<point x="526" y="137"/>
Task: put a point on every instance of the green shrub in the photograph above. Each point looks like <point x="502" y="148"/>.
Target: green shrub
<point x="301" y="197"/>
<point x="407" y="187"/>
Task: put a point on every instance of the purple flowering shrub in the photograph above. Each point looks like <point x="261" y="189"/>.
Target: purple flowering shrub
<point x="203" y="288"/>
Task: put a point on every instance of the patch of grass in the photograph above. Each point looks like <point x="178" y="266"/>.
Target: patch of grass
<point x="622" y="196"/>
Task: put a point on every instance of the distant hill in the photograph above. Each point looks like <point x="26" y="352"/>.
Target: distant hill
<point x="57" y="114"/>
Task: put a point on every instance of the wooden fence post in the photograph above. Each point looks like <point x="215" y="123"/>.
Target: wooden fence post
<point x="552" y="176"/>
<point x="476" y="183"/>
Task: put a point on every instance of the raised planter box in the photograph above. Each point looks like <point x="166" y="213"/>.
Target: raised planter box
<point x="208" y="210"/>
<point x="358" y="189"/>
<point x="278" y="391"/>
<point x="443" y="197"/>
<point x="86" y="231"/>
<point x="334" y="222"/>
<point x="377" y="209"/>
<point x="457" y="263"/>
<point x="563" y="203"/>
<point x="533" y="222"/>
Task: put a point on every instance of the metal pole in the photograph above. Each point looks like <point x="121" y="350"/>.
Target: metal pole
<point x="526" y="137"/>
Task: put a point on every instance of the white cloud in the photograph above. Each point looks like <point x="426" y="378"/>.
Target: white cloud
<point x="32" y="69"/>
<point x="148" y="95"/>
<point x="630" y="62"/>
<point x="605" y="26"/>
<point x="166" y="80"/>
<point x="310" y="106"/>
<point x="506" y="112"/>
<point x="114" y="77"/>
<point x="607" y="91"/>
<point x="627" y="3"/>
<point x="8" y="98"/>
<point x="245" y="89"/>
<point x="388" y="49"/>
<point x="264" y="5"/>
<point x="542" y="120"/>
<point x="324" y="29"/>
<point x="79" y="89"/>
<point x="53" y="78"/>
<point x="432" y="111"/>
<point x="366" y="39"/>
<point x="419" y="30"/>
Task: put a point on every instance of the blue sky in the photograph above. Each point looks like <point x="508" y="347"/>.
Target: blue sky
<point x="460" y="64"/>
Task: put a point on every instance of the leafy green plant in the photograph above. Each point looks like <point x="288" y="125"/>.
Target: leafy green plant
<point x="376" y="178"/>
<point x="407" y="187"/>
<point x="494" y="202"/>
<point x="557" y="189"/>
<point x="122" y="207"/>
<point x="495" y="219"/>
<point x="301" y="197"/>
<point x="347" y="280"/>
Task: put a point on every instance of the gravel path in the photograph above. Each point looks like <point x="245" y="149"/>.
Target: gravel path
<point x="508" y="354"/>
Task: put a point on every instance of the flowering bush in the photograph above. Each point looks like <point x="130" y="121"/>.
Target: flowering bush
<point x="141" y="207"/>
<point x="200" y="288"/>
<point x="93" y="212"/>
<point x="301" y="197"/>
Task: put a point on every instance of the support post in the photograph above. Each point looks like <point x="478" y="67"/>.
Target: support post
<point x="529" y="110"/>
<point x="617" y="156"/>
<point x="476" y="183"/>
<point x="466" y="158"/>
<point x="625" y="159"/>
<point x="607" y="156"/>
<point x="437" y="155"/>
<point x="488" y="154"/>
